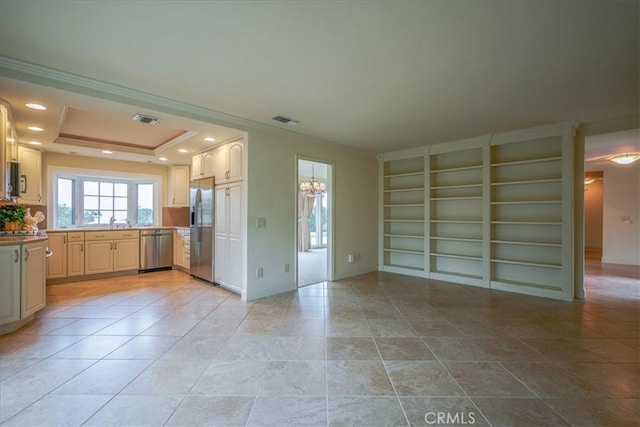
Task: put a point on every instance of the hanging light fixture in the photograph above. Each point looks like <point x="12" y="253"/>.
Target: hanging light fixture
<point x="312" y="187"/>
<point x="625" y="159"/>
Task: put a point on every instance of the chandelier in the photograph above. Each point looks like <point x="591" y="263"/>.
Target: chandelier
<point x="312" y="187"/>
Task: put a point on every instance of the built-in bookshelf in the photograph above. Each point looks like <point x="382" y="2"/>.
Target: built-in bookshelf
<point x="403" y="214"/>
<point x="493" y="211"/>
<point x="526" y="214"/>
<point x="456" y="194"/>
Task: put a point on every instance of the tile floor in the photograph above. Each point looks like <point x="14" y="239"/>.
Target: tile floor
<point x="379" y="349"/>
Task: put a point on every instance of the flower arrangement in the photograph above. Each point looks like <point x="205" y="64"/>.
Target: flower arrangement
<point x="12" y="217"/>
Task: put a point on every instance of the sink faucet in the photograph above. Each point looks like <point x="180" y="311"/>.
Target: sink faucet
<point x="128" y="223"/>
<point x="111" y="221"/>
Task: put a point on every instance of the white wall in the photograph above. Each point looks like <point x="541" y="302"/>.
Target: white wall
<point x="271" y="179"/>
<point x="621" y="198"/>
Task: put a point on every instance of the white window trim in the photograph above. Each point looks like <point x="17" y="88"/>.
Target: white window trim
<point x="53" y="172"/>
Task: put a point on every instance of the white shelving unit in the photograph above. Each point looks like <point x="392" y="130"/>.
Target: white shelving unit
<point x="530" y="205"/>
<point x="456" y="214"/>
<point x="494" y="211"/>
<point x="403" y="216"/>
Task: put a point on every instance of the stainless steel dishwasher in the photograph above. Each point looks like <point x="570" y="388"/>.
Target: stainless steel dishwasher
<point x="156" y="248"/>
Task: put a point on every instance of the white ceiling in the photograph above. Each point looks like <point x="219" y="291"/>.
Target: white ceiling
<point x="376" y="76"/>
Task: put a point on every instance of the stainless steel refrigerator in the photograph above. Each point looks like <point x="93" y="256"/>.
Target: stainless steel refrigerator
<point x="202" y="239"/>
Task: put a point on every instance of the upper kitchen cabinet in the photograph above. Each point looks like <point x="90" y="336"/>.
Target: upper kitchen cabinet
<point x="228" y="158"/>
<point x="30" y="175"/>
<point x="179" y="186"/>
<point x="203" y="165"/>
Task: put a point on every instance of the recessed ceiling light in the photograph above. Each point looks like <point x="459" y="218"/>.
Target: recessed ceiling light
<point x="107" y="152"/>
<point x="286" y="120"/>
<point x="182" y="150"/>
<point x="35" y="129"/>
<point x="35" y="106"/>
<point x="162" y="159"/>
<point x="35" y="142"/>
<point x="209" y="139"/>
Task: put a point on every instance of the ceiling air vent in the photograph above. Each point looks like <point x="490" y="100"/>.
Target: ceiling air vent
<point x="145" y="119"/>
<point x="285" y="120"/>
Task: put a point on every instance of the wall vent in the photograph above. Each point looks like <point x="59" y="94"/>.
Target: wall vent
<point x="285" y="120"/>
<point x="145" y="119"/>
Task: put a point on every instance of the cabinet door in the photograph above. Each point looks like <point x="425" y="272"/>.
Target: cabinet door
<point x="208" y="164"/>
<point x="221" y="257"/>
<point x="222" y="164"/>
<point x="179" y="186"/>
<point x="9" y="283"/>
<point x="196" y="166"/>
<point x="75" y="259"/>
<point x="33" y="278"/>
<point x="220" y="219"/>
<point x="30" y="171"/>
<point x="126" y="255"/>
<point x="57" y="263"/>
<point x="98" y="257"/>
<point x="234" y="168"/>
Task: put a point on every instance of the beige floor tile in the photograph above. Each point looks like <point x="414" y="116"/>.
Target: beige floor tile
<point x="403" y="349"/>
<point x="347" y="328"/>
<point x="594" y="412"/>
<point x="17" y="346"/>
<point x="139" y="411"/>
<point x="298" y="348"/>
<point x="422" y="378"/>
<point x="127" y="326"/>
<point x="166" y="377"/>
<point x="11" y="403"/>
<point x="44" y="376"/>
<point x="365" y="411"/>
<point x="104" y="377"/>
<point x="58" y="411"/>
<point x="456" y="349"/>
<point x="615" y="381"/>
<point x="259" y="327"/>
<point x="505" y="412"/>
<point x="92" y="347"/>
<point x="247" y="348"/>
<point x="344" y="348"/>
<point x="211" y="411"/>
<point x="143" y="347"/>
<point x="195" y="348"/>
<point x="391" y="328"/>
<point x="550" y="380"/>
<point x="9" y="367"/>
<point x="358" y="378"/>
<point x="487" y="379"/>
<point x="289" y="411"/>
<point x="171" y="327"/>
<point x="215" y="328"/>
<point x="231" y="378"/>
<point x="83" y="327"/>
<point x="442" y="411"/>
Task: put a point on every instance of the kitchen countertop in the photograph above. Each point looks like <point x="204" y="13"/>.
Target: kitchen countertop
<point x="66" y="230"/>
<point x="17" y="238"/>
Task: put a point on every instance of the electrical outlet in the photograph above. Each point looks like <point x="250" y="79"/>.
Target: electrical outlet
<point x="261" y="223"/>
<point x="285" y="268"/>
<point x="259" y="272"/>
<point x="350" y="259"/>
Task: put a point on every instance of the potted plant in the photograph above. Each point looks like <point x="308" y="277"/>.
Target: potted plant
<point x="11" y="217"/>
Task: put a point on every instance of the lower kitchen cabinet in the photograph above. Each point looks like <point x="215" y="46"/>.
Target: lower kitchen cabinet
<point x="182" y="247"/>
<point x="33" y="278"/>
<point x="110" y="251"/>
<point x="57" y="263"/>
<point x="75" y="254"/>
<point x="10" y="265"/>
<point x="22" y="283"/>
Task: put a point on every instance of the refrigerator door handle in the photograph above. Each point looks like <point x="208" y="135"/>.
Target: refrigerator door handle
<point x="198" y="221"/>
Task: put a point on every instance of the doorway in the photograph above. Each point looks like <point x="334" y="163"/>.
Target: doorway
<point x="313" y="210"/>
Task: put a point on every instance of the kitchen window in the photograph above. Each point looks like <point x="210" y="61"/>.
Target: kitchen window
<point x="81" y="200"/>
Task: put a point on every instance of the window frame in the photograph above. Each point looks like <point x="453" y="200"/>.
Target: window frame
<point x="79" y="176"/>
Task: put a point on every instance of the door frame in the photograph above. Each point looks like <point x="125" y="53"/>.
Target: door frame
<point x="330" y="213"/>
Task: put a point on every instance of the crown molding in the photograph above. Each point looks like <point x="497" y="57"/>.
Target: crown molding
<point x="45" y="76"/>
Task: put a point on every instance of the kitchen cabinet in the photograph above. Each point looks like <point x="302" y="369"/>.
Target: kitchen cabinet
<point x="33" y="278"/>
<point x="181" y="250"/>
<point x="30" y="175"/>
<point x="4" y="136"/>
<point x="228" y="158"/>
<point x="10" y="266"/>
<point x="22" y="283"/>
<point x="57" y="263"/>
<point x="203" y="165"/>
<point x="75" y="254"/>
<point x="110" y="251"/>
<point x="179" y="186"/>
<point x="228" y="236"/>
